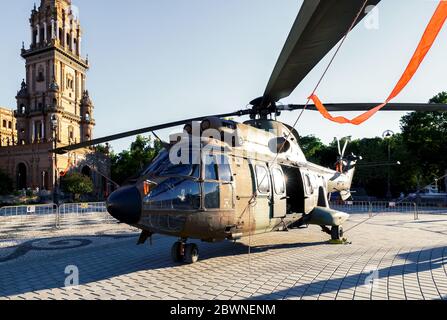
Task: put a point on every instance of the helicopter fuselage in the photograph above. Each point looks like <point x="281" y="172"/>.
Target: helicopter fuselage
<point x="254" y="180"/>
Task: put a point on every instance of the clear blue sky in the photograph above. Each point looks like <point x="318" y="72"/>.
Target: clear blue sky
<point x="154" y="61"/>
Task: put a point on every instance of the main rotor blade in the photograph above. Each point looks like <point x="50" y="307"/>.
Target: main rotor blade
<point x="338" y="107"/>
<point x="320" y="25"/>
<point x="122" y="135"/>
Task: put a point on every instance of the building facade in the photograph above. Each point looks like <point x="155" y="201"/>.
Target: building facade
<point x="8" y="132"/>
<point x="54" y="107"/>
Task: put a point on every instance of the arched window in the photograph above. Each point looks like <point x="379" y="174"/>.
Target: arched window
<point x="42" y="35"/>
<point x="71" y="133"/>
<point x="86" y="171"/>
<point x="40" y="74"/>
<point x="34" y="37"/>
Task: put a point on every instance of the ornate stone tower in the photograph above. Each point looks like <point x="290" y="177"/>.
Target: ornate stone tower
<point x="53" y="107"/>
<point x="55" y="78"/>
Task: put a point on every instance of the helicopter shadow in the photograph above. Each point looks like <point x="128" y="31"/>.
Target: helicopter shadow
<point x="102" y="262"/>
<point x="239" y="248"/>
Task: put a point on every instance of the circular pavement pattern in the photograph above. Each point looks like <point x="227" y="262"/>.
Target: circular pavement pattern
<point x="389" y="257"/>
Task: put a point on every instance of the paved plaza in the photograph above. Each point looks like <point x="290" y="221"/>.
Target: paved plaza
<point x="390" y="257"/>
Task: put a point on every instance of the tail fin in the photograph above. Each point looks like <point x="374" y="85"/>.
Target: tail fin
<point x="349" y="170"/>
<point x="345" y="168"/>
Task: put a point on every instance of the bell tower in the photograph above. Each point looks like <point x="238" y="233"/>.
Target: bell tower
<point x="55" y="84"/>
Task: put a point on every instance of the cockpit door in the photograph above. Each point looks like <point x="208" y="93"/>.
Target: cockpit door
<point x="217" y="183"/>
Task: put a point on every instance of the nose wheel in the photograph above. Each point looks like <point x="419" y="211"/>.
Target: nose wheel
<point x="182" y="252"/>
<point x="337" y="233"/>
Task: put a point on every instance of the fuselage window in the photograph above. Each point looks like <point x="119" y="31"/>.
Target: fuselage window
<point x="278" y="180"/>
<point x="309" y="186"/>
<point x="263" y="179"/>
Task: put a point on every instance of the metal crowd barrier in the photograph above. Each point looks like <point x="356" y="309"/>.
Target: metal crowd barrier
<point x="79" y="214"/>
<point x="50" y="216"/>
<point x="374" y="207"/>
<point x="24" y="218"/>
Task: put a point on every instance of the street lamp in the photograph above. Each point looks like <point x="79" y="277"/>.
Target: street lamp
<point x="388" y="134"/>
<point x="54" y="126"/>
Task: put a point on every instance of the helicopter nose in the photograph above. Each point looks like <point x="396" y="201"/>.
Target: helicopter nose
<point x="125" y="205"/>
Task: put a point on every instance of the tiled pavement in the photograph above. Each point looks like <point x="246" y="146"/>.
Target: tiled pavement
<point x="391" y="257"/>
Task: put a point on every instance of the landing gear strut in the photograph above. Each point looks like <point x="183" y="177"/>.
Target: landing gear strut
<point x="183" y="252"/>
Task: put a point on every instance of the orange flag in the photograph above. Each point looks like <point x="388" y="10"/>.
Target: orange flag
<point x="429" y="37"/>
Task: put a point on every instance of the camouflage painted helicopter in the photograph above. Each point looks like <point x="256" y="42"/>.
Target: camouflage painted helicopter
<point x="239" y="179"/>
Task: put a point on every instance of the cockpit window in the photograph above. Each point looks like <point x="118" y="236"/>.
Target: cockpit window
<point x="217" y="168"/>
<point x="190" y="167"/>
<point x="210" y="168"/>
<point x="224" y="168"/>
<point x="175" y="193"/>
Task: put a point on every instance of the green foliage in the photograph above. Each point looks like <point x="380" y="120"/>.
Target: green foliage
<point x="312" y="148"/>
<point x="76" y="184"/>
<point x="5" y="183"/>
<point x="439" y="98"/>
<point x="425" y="134"/>
<point x="102" y="149"/>
<point x="129" y="163"/>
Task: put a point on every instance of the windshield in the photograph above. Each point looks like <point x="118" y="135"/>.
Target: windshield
<point x="162" y="166"/>
<point x="184" y="170"/>
<point x="155" y="166"/>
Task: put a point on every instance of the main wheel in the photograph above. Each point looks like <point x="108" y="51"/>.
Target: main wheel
<point x="337" y="233"/>
<point x="176" y="252"/>
<point x="191" y="253"/>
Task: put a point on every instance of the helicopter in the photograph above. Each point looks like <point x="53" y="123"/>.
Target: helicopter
<point x="221" y="180"/>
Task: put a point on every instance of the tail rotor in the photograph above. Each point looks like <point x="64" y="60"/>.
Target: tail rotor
<point x="341" y="161"/>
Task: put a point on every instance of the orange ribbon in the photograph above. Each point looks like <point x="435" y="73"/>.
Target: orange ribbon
<point x="64" y="173"/>
<point x="429" y="37"/>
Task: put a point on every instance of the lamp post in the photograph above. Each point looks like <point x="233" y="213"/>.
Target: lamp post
<point x="54" y="126"/>
<point x="388" y="134"/>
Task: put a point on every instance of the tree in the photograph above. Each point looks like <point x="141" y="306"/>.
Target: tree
<point x="439" y="98"/>
<point x="5" y="183"/>
<point x="425" y="136"/>
<point x="77" y="184"/>
<point x="129" y="163"/>
<point x="312" y="147"/>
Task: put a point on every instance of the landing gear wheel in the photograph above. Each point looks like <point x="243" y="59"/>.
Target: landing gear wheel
<point x="191" y="253"/>
<point x="337" y="233"/>
<point x="176" y="252"/>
